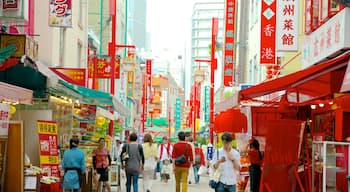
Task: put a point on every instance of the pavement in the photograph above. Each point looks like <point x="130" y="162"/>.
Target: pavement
<point x="159" y="186"/>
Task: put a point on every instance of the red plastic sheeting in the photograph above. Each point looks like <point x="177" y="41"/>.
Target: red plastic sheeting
<point x="231" y="120"/>
<point x="302" y="86"/>
<point x="283" y="141"/>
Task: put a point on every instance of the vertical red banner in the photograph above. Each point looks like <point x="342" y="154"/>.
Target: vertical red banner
<point x="268" y="32"/>
<point x="229" y="42"/>
<point x="149" y="76"/>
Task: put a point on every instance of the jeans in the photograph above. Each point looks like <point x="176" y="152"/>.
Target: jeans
<point x="134" y="179"/>
<point x="181" y="173"/>
<point x="255" y="175"/>
<point x="195" y="171"/>
<point x="225" y="188"/>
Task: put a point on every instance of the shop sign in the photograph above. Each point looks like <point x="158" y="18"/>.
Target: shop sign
<point x="287" y="25"/>
<point x="229" y="41"/>
<point x="4" y="119"/>
<point x="103" y="68"/>
<point x="122" y="88"/>
<point x="72" y="75"/>
<point x="331" y="37"/>
<point x="60" y="13"/>
<point x="268" y="32"/>
<point x="178" y="114"/>
<point x="48" y="147"/>
<point x="18" y="40"/>
<point x="206" y="103"/>
<point x="14" y="10"/>
<point x="346" y="81"/>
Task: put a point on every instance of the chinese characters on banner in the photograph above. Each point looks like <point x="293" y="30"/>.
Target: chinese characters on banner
<point x="9" y="4"/>
<point x="48" y="145"/>
<point x="178" y="114"/>
<point x="60" y="13"/>
<point x="268" y="32"/>
<point x="287" y="25"/>
<point x="149" y="76"/>
<point x="103" y="68"/>
<point x="229" y="42"/>
<point x="72" y="75"/>
<point x="4" y="119"/>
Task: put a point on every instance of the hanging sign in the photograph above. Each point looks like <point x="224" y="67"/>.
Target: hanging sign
<point x="287" y="25"/>
<point x="60" y="13"/>
<point x="103" y="68"/>
<point x="229" y="42"/>
<point x="4" y="119"/>
<point x="48" y="147"/>
<point x="72" y="75"/>
<point x="268" y="32"/>
<point x="178" y="114"/>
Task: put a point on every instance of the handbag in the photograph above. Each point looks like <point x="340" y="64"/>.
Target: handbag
<point x="182" y="158"/>
<point x="125" y="155"/>
<point x="214" y="177"/>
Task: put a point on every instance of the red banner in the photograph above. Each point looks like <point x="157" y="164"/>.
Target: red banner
<point x="149" y="76"/>
<point x="229" y="42"/>
<point x="72" y="75"/>
<point x="103" y="68"/>
<point x="268" y="32"/>
<point x="48" y="145"/>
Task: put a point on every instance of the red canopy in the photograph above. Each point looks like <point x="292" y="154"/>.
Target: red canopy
<point x="302" y="86"/>
<point x="232" y="120"/>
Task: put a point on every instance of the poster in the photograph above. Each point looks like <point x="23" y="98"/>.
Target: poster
<point x="60" y="13"/>
<point x="4" y="119"/>
<point x="48" y="147"/>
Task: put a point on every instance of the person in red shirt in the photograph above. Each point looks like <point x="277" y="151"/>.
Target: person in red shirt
<point x="181" y="167"/>
<point x="255" y="158"/>
<point x="198" y="161"/>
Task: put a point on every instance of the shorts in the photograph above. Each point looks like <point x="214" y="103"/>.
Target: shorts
<point x="103" y="174"/>
<point x="165" y="176"/>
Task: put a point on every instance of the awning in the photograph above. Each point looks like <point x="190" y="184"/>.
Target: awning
<point x="14" y="94"/>
<point x="302" y="86"/>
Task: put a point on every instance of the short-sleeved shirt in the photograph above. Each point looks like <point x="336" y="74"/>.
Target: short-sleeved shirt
<point x="228" y="175"/>
<point x="101" y="157"/>
<point x="179" y="149"/>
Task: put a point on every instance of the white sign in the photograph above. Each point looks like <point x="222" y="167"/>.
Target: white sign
<point x="331" y="37"/>
<point x="287" y="22"/>
<point x="4" y="119"/>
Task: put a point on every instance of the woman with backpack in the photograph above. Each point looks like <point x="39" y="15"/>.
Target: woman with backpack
<point x="132" y="161"/>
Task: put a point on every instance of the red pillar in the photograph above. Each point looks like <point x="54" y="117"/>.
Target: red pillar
<point x="194" y="110"/>
<point x="212" y="70"/>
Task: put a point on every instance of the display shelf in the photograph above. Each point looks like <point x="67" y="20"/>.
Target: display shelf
<point x="330" y="162"/>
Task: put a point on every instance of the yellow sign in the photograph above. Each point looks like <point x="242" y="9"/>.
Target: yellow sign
<point x="50" y="160"/>
<point x="46" y="127"/>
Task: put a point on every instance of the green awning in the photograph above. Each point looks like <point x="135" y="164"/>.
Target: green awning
<point x="6" y="52"/>
<point x="162" y="122"/>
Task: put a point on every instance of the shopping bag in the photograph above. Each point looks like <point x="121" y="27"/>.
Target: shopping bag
<point x="202" y="171"/>
<point x="96" y="178"/>
<point x="214" y="176"/>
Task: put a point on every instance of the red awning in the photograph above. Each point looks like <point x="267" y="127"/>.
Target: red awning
<point x="232" y="120"/>
<point x="314" y="82"/>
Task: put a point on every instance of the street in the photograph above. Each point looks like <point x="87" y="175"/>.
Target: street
<point x="158" y="186"/>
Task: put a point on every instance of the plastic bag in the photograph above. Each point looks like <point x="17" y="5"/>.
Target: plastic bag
<point x="202" y="171"/>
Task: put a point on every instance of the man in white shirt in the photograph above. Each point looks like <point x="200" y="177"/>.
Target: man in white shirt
<point x="228" y="160"/>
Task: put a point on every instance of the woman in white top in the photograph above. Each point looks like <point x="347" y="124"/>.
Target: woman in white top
<point x="228" y="160"/>
<point x="151" y="157"/>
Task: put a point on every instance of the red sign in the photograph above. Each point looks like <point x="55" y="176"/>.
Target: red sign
<point x="268" y="32"/>
<point x="72" y="75"/>
<point x="229" y="42"/>
<point x="48" y="146"/>
<point x="9" y="4"/>
<point x="103" y="68"/>
<point x="149" y="75"/>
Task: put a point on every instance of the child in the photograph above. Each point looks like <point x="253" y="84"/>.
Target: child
<point x="166" y="169"/>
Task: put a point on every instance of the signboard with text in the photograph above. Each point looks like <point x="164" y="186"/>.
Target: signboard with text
<point x="178" y="114"/>
<point x="287" y="25"/>
<point x="48" y="147"/>
<point x="268" y="32"/>
<point x="229" y="42"/>
<point x="72" y="75"/>
<point x="4" y="119"/>
<point x="103" y="68"/>
<point x="328" y="39"/>
<point x="60" y="13"/>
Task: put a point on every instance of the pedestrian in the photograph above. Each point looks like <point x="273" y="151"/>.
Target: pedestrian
<point x="191" y="174"/>
<point x="255" y="158"/>
<point x="165" y="150"/>
<point x="151" y="157"/>
<point x="182" y="159"/>
<point x="132" y="161"/>
<point x="199" y="161"/>
<point x="229" y="161"/>
<point x="74" y="166"/>
<point x="101" y="160"/>
<point x="165" y="174"/>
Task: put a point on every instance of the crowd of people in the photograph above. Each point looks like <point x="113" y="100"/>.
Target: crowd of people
<point x="183" y="158"/>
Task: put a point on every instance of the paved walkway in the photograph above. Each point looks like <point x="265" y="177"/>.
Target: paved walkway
<point x="158" y="186"/>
